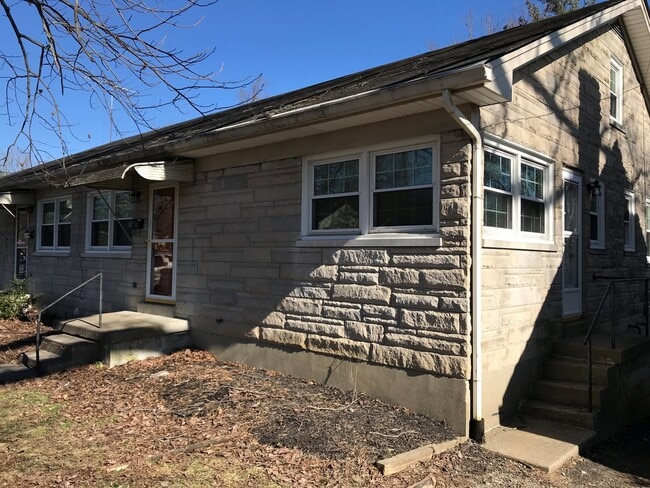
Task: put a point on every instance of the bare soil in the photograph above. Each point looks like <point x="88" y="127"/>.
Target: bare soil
<point x="189" y="419"/>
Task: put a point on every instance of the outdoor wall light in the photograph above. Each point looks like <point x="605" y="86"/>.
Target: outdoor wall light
<point x="135" y="196"/>
<point x="594" y="188"/>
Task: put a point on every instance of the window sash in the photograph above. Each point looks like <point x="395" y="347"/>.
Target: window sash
<point x="515" y="193"/>
<point x="628" y="222"/>
<point x="55" y="224"/>
<point x="380" y="189"/>
<point x="109" y="216"/>
<point x="616" y="91"/>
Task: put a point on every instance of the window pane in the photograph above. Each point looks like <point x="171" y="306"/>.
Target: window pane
<point x="122" y="233"/>
<point x="48" y="213"/>
<point x="100" y="208"/>
<point x="532" y="182"/>
<point x="333" y="178"/>
<point x="401" y="208"/>
<point x="63" y="236"/>
<point x="532" y="216"/>
<point x="403" y="169"/>
<point x="47" y="235"/>
<point x="65" y="211"/>
<point x="497" y="212"/>
<point x="570" y="262"/>
<point x="163" y="213"/>
<point x="497" y="172"/>
<point x="571" y="206"/>
<point x="99" y="235"/>
<point x="122" y="205"/>
<point x="593" y="227"/>
<point x="336" y="213"/>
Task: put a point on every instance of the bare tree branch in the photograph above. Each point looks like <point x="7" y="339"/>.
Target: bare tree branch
<point x="115" y="51"/>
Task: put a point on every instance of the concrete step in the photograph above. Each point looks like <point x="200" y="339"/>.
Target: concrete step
<point x="562" y="414"/>
<point x="576" y="370"/>
<point x="628" y="347"/>
<point x="161" y="309"/>
<point x="566" y="393"/>
<point x="50" y="362"/>
<point x="537" y="442"/>
<point x="69" y="347"/>
<point x="15" y="372"/>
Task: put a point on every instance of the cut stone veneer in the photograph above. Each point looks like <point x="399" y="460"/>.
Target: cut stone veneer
<point x="401" y="308"/>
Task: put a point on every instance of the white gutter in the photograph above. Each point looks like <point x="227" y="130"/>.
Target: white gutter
<point x="477" y="425"/>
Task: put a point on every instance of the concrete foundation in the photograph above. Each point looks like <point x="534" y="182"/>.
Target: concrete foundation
<point x="440" y="398"/>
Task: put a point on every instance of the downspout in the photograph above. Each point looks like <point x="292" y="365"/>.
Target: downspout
<point x="477" y="422"/>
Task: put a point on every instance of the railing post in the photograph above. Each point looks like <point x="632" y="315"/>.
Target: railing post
<point x="38" y="341"/>
<point x="613" y="315"/>
<point x="645" y="308"/>
<point x="590" y="388"/>
<point x="101" y="297"/>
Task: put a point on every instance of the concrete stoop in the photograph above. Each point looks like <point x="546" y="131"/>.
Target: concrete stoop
<point x="122" y="337"/>
<point x="539" y="443"/>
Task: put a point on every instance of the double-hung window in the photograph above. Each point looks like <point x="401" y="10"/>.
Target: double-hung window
<point x="379" y="190"/>
<point x="597" y="218"/>
<point x="628" y="222"/>
<point x="616" y="91"/>
<point x="517" y="194"/>
<point x="109" y="216"/>
<point x="54" y="224"/>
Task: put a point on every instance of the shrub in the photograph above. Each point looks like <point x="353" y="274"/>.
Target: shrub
<point x="15" y="300"/>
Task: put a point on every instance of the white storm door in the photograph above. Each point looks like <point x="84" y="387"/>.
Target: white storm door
<point x="162" y="247"/>
<point x="572" y="257"/>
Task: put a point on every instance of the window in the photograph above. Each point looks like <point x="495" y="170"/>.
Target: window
<point x="628" y="222"/>
<point x="517" y="193"/>
<point x="109" y="216"/>
<point x="377" y="190"/>
<point x="597" y="219"/>
<point x="616" y="91"/>
<point x="54" y="224"/>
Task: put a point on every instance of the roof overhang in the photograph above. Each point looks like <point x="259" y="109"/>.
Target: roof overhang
<point x="634" y="16"/>
<point x="416" y="96"/>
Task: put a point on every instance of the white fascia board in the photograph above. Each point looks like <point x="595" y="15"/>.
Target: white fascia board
<point x="504" y="67"/>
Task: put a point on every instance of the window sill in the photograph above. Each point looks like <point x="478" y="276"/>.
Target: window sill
<point x="372" y="240"/>
<point x="547" y="246"/>
<point x="106" y="254"/>
<point x="617" y="125"/>
<point x="55" y="253"/>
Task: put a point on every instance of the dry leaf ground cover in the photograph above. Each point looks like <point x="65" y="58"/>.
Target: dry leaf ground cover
<point x="190" y="420"/>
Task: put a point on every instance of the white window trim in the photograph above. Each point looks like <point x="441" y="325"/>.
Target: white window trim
<point x="618" y="67"/>
<point x="599" y="243"/>
<point x="514" y="237"/>
<point x="366" y="234"/>
<point x="54" y="249"/>
<point x="110" y="249"/>
<point x="628" y="237"/>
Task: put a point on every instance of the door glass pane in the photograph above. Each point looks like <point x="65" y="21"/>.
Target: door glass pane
<point x="571" y="206"/>
<point x="163" y="213"/>
<point x="162" y="267"/>
<point x="570" y="262"/>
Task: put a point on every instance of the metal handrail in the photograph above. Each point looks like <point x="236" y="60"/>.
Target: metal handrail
<point x="40" y="313"/>
<point x="587" y="341"/>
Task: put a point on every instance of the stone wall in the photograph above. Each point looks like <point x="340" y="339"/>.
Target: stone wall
<point x="560" y="108"/>
<point x="244" y="274"/>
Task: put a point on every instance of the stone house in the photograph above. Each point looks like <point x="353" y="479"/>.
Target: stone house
<point x="423" y="232"/>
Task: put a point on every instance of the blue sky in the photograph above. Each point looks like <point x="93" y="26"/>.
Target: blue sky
<point x="296" y="43"/>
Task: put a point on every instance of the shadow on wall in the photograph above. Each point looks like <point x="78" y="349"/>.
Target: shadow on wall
<point x="575" y="227"/>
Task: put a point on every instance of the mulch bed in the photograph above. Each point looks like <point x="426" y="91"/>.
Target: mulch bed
<point x="17" y="336"/>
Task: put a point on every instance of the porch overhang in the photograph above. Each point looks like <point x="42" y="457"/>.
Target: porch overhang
<point x="17" y="197"/>
<point x="121" y="177"/>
